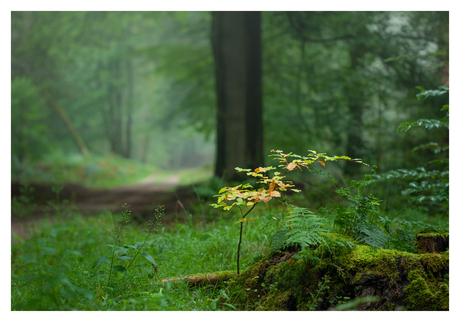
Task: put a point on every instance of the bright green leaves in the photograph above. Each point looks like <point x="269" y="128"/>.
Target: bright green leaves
<point x="432" y="123"/>
<point x="428" y="124"/>
<point x="431" y="92"/>
<point x="311" y="158"/>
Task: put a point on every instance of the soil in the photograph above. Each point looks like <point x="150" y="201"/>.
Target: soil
<point x="143" y="198"/>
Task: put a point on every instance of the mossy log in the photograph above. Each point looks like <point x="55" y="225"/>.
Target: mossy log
<point x="394" y="280"/>
<point x="202" y="279"/>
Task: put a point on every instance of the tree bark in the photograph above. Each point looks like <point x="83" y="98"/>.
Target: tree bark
<point x="356" y="101"/>
<point x="236" y="40"/>
<point x="129" y="109"/>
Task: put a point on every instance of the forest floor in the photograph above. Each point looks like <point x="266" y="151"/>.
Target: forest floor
<point x="142" y="197"/>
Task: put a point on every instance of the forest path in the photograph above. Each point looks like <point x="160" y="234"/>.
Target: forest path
<point x="143" y="198"/>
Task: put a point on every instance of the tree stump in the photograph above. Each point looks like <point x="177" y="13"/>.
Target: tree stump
<point x="432" y="242"/>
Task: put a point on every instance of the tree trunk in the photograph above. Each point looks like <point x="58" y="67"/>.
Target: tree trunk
<point x="115" y="106"/>
<point x="236" y="40"/>
<point x="65" y="118"/>
<point x="356" y="101"/>
<point x="129" y="111"/>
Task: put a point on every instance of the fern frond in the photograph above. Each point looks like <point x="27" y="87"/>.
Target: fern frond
<point x="305" y="228"/>
<point x="278" y="240"/>
<point x="370" y="235"/>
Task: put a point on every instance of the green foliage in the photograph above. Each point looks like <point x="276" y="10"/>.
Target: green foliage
<point x="360" y="219"/>
<point x="70" y="248"/>
<point x="23" y="205"/>
<point x="316" y="296"/>
<point x="305" y="229"/>
<point x="247" y="195"/>
<point x="429" y="186"/>
<point x="29" y="133"/>
<point x="126" y="255"/>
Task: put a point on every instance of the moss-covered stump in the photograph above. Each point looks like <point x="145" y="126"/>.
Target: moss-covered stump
<point x="432" y="242"/>
<point x="396" y="280"/>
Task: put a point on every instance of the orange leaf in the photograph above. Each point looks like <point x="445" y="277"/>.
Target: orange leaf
<point x="322" y="163"/>
<point x="291" y="166"/>
<point x="272" y="186"/>
<point x="265" y="198"/>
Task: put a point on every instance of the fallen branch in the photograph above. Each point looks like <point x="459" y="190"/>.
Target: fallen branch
<point x="202" y="279"/>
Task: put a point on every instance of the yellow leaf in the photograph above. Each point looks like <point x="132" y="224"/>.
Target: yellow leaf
<point x="250" y="203"/>
<point x="242" y="220"/>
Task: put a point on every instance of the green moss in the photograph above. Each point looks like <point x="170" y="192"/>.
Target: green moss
<point x="280" y="281"/>
<point x="418" y="294"/>
<point x="275" y="302"/>
<point x="367" y="260"/>
<point x="443" y="296"/>
<point x="425" y="295"/>
<point x="434" y="262"/>
<point x="433" y="234"/>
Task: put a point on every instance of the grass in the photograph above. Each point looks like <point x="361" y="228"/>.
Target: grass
<point x="53" y="268"/>
<point x="74" y="263"/>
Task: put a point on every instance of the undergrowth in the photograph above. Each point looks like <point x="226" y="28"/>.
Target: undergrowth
<point x="54" y="268"/>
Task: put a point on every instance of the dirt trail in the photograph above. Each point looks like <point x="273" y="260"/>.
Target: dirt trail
<point x="143" y="197"/>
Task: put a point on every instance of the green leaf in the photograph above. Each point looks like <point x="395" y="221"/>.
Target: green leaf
<point x="99" y="273"/>
<point x="102" y="259"/>
<point x="124" y="258"/>
<point x="119" y="268"/>
<point x="149" y="258"/>
<point x="46" y="250"/>
<point x="241" y="170"/>
<point x="135" y="246"/>
<point x="121" y="250"/>
<point x="223" y="190"/>
<point x="73" y="252"/>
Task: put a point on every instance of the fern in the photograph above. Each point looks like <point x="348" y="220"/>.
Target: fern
<point x="370" y="235"/>
<point x="278" y="240"/>
<point x="305" y="228"/>
<point x="401" y="233"/>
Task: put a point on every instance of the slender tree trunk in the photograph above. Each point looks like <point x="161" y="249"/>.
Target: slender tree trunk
<point x="129" y="107"/>
<point x="57" y="107"/>
<point x="146" y="149"/>
<point x="236" y="40"/>
<point x="115" y="107"/>
<point x="355" y="143"/>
